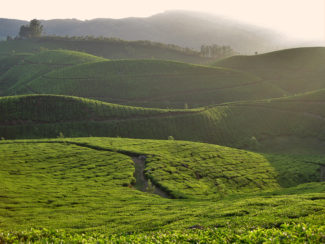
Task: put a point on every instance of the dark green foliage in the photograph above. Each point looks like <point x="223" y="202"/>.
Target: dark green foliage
<point x="34" y="29"/>
<point x="53" y="108"/>
<point x="278" y="125"/>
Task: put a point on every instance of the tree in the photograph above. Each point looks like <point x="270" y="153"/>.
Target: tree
<point x="216" y="51"/>
<point x="34" y="29"/>
<point x="24" y="31"/>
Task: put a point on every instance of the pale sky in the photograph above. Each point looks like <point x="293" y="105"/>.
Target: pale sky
<point x="304" y="19"/>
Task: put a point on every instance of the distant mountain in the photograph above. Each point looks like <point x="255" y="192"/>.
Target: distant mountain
<point x="187" y="29"/>
<point x="10" y="27"/>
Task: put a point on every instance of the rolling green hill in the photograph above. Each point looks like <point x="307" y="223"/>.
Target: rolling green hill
<point x="24" y="68"/>
<point x="7" y="62"/>
<point x="294" y="70"/>
<point x="151" y="83"/>
<point x="88" y="184"/>
<point x="294" y="124"/>
<point x="110" y="48"/>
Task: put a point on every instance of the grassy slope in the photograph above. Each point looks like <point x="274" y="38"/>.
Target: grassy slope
<point x="293" y="70"/>
<point x="112" y="48"/>
<point x="279" y="125"/>
<point x="152" y="83"/>
<point x="6" y="63"/>
<point x="58" y="184"/>
<point x="36" y="65"/>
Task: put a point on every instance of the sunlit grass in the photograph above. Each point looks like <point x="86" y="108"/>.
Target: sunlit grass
<point x="64" y="184"/>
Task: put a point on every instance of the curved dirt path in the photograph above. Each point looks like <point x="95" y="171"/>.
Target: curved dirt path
<point x="139" y="164"/>
<point x="141" y="180"/>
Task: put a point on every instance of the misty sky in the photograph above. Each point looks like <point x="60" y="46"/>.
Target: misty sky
<point x="304" y="19"/>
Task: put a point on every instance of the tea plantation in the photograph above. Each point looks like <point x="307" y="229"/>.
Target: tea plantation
<point x="291" y="124"/>
<point x="148" y="83"/>
<point x="294" y="70"/>
<point x="117" y="147"/>
<point x="88" y="185"/>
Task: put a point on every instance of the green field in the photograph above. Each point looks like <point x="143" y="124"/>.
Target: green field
<point x="25" y="68"/>
<point x="86" y="184"/>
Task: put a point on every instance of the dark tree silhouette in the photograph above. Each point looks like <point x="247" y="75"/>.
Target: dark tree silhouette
<point x="34" y="29"/>
<point x="216" y="51"/>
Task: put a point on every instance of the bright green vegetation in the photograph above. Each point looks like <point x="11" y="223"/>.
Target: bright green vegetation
<point x="24" y="68"/>
<point x="214" y="170"/>
<point x="287" y="233"/>
<point x="294" y="124"/>
<point x="148" y="83"/>
<point x="85" y="184"/>
<point x="107" y="48"/>
<point x="293" y="70"/>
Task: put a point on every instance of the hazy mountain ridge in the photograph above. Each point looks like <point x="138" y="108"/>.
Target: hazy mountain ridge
<point x="184" y="28"/>
<point x="10" y="27"/>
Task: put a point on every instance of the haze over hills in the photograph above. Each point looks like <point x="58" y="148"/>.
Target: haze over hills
<point x="183" y="28"/>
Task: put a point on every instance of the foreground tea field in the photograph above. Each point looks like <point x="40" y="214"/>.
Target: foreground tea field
<point x="88" y="184"/>
<point x="287" y="233"/>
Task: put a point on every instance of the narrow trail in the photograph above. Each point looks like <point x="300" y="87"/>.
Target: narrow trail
<point x="139" y="164"/>
<point x="141" y="180"/>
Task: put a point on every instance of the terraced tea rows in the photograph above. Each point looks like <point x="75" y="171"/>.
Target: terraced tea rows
<point x="294" y="70"/>
<point x="33" y="66"/>
<point x="265" y="122"/>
